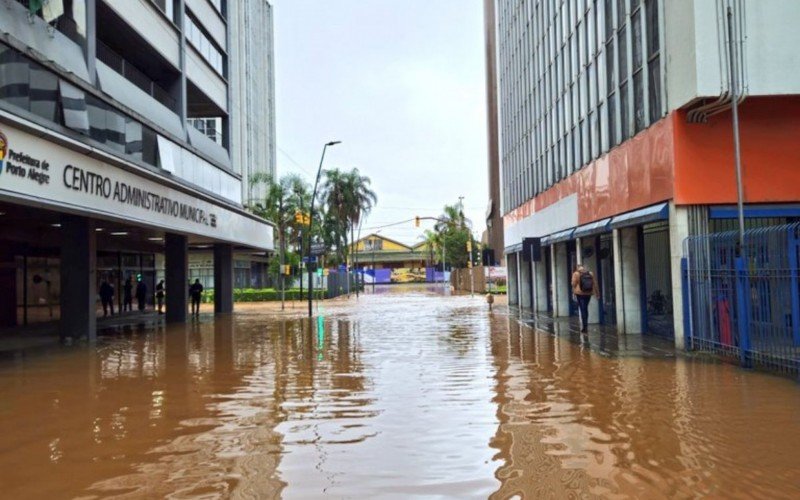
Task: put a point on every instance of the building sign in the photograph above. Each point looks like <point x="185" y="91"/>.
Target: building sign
<point x="83" y="180"/>
<point x="3" y="151"/>
<point x="60" y="178"/>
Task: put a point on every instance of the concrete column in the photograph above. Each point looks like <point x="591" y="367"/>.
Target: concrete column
<point x="561" y="285"/>
<point x="78" y="278"/>
<point x="513" y="291"/>
<point x="678" y="232"/>
<point x="223" y="278"/>
<point x="176" y="276"/>
<point x="540" y="285"/>
<point x="587" y="255"/>
<point x="628" y="283"/>
<point x="525" y="292"/>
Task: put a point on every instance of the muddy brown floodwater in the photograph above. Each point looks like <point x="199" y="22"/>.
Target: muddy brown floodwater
<point x="403" y="393"/>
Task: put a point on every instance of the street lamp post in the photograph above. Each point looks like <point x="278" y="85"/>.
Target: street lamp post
<point x="311" y="225"/>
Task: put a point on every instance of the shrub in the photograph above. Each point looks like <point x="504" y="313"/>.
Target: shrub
<point x="262" y="295"/>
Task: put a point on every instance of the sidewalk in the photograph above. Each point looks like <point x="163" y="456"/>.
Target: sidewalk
<point x="38" y="337"/>
<point x="600" y="338"/>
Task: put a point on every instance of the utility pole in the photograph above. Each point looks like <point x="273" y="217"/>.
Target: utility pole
<point x="310" y="227"/>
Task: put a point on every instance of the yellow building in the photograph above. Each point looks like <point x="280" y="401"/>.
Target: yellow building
<point x="380" y="252"/>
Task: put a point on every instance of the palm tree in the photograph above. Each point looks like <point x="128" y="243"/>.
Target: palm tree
<point x="362" y="200"/>
<point x="335" y="198"/>
<point x="432" y="241"/>
<point x="281" y="201"/>
<point x="452" y="218"/>
<point x="454" y="231"/>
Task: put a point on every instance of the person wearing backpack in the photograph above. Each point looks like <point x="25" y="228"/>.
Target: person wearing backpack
<point x="584" y="286"/>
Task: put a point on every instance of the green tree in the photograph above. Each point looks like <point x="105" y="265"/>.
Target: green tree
<point x="282" y="200"/>
<point x="454" y="232"/>
<point x="360" y="203"/>
<point x="348" y="198"/>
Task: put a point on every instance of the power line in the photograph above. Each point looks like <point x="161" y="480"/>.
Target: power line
<point x="289" y="157"/>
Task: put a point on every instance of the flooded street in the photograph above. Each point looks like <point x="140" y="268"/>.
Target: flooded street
<point x="403" y="393"/>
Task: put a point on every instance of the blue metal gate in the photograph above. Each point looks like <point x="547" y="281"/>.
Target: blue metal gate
<point x="745" y="305"/>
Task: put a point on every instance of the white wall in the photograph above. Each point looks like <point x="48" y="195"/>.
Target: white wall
<point x="206" y="79"/>
<point x="252" y="84"/>
<point x="559" y="216"/>
<point x="695" y="38"/>
<point x="145" y="18"/>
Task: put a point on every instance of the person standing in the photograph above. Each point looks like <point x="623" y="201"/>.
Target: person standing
<point x="106" y="293"/>
<point x="127" y="295"/>
<point x="141" y="294"/>
<point x="196" y="292"/>
<point x="160" y="296"/>
<point x="584" y="286"/>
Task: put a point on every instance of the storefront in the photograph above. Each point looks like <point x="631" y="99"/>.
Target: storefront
<point x="72" y="215"/>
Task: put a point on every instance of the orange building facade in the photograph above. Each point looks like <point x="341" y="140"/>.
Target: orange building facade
<point x="617" y="143"/>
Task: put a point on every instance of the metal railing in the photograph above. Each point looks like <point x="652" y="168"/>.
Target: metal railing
<point x="745" y="305"/>
<point x="134" y="75"/>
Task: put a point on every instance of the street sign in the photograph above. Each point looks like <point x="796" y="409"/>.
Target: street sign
<point x="317" y="248"/>
<point x="312" y="260"/>
<point x="342" y="267"/>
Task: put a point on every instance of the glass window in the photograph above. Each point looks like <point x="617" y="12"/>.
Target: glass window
<point x="623" y="54"/>
<point x="44" y="93"/>
<point x="204" y="45"/>
<point x="638" y="101"/>
<point x="612" y="121"/>
<point x="651" y="9"/>
<point x="73" y="100"/>
<point x="636" y="39"/>
<point x="609" y="19"/>
<point x="97" y="118"/>
<point x="623" y="112"/>
<point x="149" y="146"/>
<point x="14" y="78"/>
<point x="654" y="94"/>
<point x="611" y="75"/>
<point x="133" y="138"/>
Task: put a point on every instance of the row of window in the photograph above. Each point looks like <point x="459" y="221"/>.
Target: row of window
<point x="29" y="86"/>
<point x="573" y="79"/>
<point x="205" y="46"/>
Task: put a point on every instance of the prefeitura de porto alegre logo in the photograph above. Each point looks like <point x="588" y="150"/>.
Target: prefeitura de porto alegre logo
<point x="3" y="151"/>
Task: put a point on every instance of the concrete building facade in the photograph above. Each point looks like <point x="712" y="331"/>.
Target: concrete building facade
<point x="616" y="142"/>
<point x="118" y="155"/>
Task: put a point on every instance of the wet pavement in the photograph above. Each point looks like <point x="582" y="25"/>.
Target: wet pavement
<point x="403" y="393"/>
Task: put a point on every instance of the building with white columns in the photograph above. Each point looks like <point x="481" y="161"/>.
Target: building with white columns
<point x="616" y="142"/>
<point x="121" y="125"/>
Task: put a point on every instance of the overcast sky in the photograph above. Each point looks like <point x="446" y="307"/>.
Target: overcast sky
<point x="401" y="84"/>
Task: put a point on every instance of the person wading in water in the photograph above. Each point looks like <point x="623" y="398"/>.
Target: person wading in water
<point x="584" y="286"/>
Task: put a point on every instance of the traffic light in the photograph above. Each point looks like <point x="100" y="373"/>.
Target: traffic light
<point x="287" y="269"/>
<point x="469" y="245"/>
<point x="302" y="218"/>
<point x="416" y="221"/>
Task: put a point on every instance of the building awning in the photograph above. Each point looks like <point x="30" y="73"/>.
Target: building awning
<point x="641" y="216"/>
<point x="597" y="227"/>
<point x="558" y="237"/>
<point x="513" y="249"/>
<point x="766" y="210"/>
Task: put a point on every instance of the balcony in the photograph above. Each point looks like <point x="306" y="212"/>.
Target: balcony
<point x="134" y="75"/>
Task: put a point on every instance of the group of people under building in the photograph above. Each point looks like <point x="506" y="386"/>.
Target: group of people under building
<point x="106" y="293"/>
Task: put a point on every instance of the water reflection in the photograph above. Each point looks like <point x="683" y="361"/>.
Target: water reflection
<point x="403" y="393"/>
<point x="573" y="422"/>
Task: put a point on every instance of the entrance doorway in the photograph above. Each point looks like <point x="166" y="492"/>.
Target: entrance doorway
<point x="605" y="257"/>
